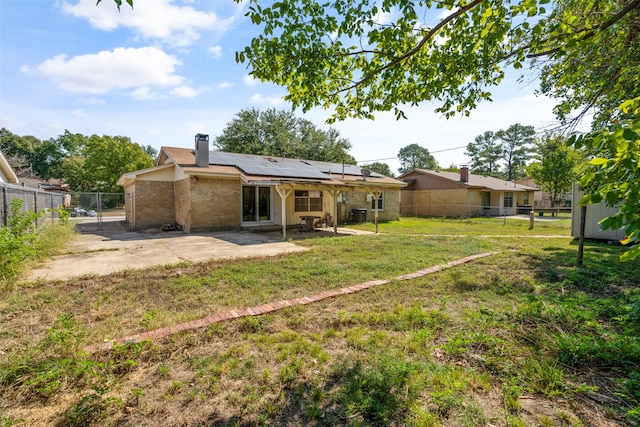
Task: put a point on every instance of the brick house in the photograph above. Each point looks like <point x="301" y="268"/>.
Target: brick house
<point x="431" y="192"/>
<point x="204" y="190"/>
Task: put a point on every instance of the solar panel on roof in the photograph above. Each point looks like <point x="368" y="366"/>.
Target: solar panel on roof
<point x="337" y="168"/>
<point x="257" y="165"/>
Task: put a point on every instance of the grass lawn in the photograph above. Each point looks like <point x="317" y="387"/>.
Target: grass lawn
<point x="473" y="226"/>
<point x="520" y="338"/>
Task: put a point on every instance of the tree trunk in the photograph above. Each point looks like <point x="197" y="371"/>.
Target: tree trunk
<point x="583" y="216"/>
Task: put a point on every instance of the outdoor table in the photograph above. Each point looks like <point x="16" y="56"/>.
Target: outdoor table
<point x="310" y="220"/>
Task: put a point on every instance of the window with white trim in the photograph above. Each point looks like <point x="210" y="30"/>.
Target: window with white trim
<point x="508" y="199"/>
<point x="308" y="201"/>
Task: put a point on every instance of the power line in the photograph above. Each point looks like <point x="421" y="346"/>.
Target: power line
<point x="430" y="152"/>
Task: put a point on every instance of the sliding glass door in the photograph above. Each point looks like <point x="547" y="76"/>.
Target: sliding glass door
<point x="256" y="204"/>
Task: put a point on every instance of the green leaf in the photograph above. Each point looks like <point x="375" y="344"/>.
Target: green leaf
<point x="598" y="161"/>
<point x="630" y="135"/>
<point x="629" y="105"/>
<point x="586" y="179"/>
<point x="631" y="254"/>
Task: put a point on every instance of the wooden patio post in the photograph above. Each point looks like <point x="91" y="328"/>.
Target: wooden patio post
<point x="376" y="195"/>
<point x="334" y="195"/>
<point x="284" y="193"/>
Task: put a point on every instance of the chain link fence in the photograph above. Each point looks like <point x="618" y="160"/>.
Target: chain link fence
<point x="461" y="210"/>
<point x="94" y="209"/>
<point x="33" y="199"/>
<point x="90" y="209"/>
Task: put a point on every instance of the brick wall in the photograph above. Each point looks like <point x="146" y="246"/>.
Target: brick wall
<point x="182" y="192"/>
<point x="391" y="205"/>
<point x="155" y="204"/>
<point x="215" y="203"/>
<point x="440" y="202"/>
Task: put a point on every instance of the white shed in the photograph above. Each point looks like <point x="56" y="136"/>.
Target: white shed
<point x="595" y="213"/>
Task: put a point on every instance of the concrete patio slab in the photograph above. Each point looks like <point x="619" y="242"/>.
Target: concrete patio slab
<point x="113" y="248"/>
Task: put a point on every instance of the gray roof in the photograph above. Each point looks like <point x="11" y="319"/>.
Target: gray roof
<point x="476" y="181"/>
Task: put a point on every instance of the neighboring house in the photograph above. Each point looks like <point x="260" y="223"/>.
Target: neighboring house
<point x="7" y="175"/>
<point x="431" y="192"/>
<point x="541" y="199"/>
<point x="595" y="213"/>
<point x="201" y="189"/>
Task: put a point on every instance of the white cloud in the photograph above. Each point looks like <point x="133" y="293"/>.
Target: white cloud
<point x="215" y="51"/>
<point x="225" y="85"/>
<point x="250" y="81"/>
<point x="94" y="100"/>
<point x="79" y="113"/>
<point x="108" y="70"/>
<point x="383" y="18"/>
<point x="185" y="92"/>
<point x="273" y="101"/>
<point x="158" y="19"/>
<point x="144" y="93"/>
<point x="14" y="123"/>
<point x="446" y="12"/>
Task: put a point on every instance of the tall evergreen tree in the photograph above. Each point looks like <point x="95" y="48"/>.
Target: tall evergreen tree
<point x="516" y="144"/>
<point x="485" y="153"/>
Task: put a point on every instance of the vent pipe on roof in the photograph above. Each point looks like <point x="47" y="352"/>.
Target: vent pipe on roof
<point x="464" y="173"/>
<point x="202" y="150"/>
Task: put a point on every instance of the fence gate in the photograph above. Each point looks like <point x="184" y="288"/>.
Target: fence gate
<point x="96" y="210"/>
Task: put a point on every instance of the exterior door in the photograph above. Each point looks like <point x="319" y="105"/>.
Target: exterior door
<point x="256" y="204"/>
<point x="485" y="201"/>
<point x="264" y="203"/>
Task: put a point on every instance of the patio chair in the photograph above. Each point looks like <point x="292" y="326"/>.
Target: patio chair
<point x="327" y="223"/>
<point x="301" y="227"/>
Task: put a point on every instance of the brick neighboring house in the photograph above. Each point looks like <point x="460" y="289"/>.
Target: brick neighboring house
<point x="204" y="190"/>
<point x="438" y="193"/>
<point x="542" y="199"/>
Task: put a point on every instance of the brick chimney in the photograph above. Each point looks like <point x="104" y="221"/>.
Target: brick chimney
<point x="464" y="173"/>
<point x="202" y="150"/>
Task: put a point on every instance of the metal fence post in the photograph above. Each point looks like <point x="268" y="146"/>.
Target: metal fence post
<point x="99" y="197"/>
<point x="5" y="207"/>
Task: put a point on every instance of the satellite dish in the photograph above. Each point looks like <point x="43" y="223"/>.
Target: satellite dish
<point x="366" y="173"/>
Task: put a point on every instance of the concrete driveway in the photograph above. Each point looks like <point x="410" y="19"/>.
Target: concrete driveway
<point x="114" y="248"/>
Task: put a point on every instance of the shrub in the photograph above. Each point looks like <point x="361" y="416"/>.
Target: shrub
<point x="16" y="239"/>
<point x="20" y="240"/>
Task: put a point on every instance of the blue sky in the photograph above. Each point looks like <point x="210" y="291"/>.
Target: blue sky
<point x="166" y="70"/>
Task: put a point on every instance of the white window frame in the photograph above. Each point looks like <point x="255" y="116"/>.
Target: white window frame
<point x="308" y="202"/>
<point x="507" y="198"/>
